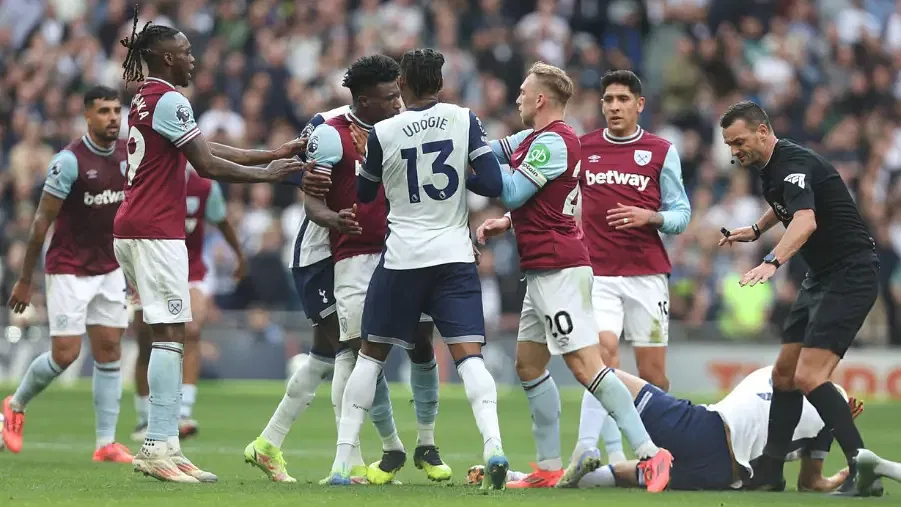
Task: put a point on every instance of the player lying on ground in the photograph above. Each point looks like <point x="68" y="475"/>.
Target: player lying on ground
<point x="85" y="287"/>
<point x="715" y="446"/>
<point x="205" y="203"/>
<point x="356" y="249"/>
<point x="822" y="224"/>
<point x="428" y="264"/>
<point x="558" y="314"/>
<point x="149" y="228"/>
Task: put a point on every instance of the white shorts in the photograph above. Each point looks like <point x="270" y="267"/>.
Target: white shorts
<point x="75" y="302"/>
<point x="158" y="269"/>
<point x="634" y="306"/>
<point x="557" y="310"/>
<point x="352" y="276"/>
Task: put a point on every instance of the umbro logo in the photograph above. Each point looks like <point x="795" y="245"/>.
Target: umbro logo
<point x="594" y="159"/>
<point x="795" y="179"/>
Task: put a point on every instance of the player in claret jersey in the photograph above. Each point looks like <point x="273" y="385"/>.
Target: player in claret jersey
<point x="149" y="229"/>
<point x="427" y="264"/>
<point x="557" y="314"/>
<point x="85" y="287"/>
<point x="631" y="192"/>
<point x="356" y="248"/>
<point x="205" y="204"/>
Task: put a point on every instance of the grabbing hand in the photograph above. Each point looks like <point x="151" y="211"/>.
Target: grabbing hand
<point x="282" y="168"/>
<point x="241" y="269"/>
<point x="477" y="254"/>
<point x="492" y="227"/>
<point x="628" y="217"/>
<point x="314" y="183"/>
<point x="347" y="222"/>
<point x="359" y="138"/>
<point x="292" y="148"/>
<point x="20" y="297"/>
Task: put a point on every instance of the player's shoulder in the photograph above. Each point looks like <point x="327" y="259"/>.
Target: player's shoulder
<point x="787" y="156"/>
<point x="653" y="140"/>
<point x="325" y="141"/>
<point x="65" y="159"/>
<point x="594" y="137"/>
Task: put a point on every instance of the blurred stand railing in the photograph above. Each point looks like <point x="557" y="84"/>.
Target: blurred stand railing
<point x="267" y="345"/>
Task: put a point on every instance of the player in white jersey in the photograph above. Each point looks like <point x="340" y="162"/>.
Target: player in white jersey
<point x="714" y="446"/>
<point x="428" y="265"/>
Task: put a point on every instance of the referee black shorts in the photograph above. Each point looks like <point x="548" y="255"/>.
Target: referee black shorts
<point x="831" y="307"/>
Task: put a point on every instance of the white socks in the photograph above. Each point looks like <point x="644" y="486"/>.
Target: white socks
<point x="601" y="478"/>
<point x="357" y="402"/>
<point x="344" y="365"/>
<point x="188" y="398"/>
<point x="298" y="395"/>
<point x="482" y="394"/>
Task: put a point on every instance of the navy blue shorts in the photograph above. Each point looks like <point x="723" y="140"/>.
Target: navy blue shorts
<point x="694" y="435"/>
<point x="449" y="293"/>
<point x="316" y="287"/>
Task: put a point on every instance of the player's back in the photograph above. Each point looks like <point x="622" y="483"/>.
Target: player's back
<point x="627" y="172"/>
<point x="89" y="179"/>
<point x="161" y="122"/>
<point x="746" y="411"/>
<point x="425" y="154"/>
<point x="547" y="234"/>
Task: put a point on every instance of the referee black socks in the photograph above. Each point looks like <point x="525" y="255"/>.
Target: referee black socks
<point x="834" y="411"/>
<point x="785" y="413"/>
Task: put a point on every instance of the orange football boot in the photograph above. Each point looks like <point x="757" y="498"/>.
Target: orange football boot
<point x="113" y="453"/>
<point x="13" y="424"/>
<point x="656" y="471"/>
<point x="537" y="479"/>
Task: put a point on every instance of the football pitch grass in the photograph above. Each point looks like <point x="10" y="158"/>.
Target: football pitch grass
<point x="55" y="465"/>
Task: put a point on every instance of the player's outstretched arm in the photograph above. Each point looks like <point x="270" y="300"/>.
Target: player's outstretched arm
<point x="258" y="157"/>
<point x="61" y="174"/>
<point x="547" y="159"/>
<point x="487" y="180"/>
<point x="750" y="233"/>
<point x="209" y="166"/>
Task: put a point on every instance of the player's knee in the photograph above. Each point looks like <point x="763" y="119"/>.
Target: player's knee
<point x="107" y="350"/>
<point x="422" y="352"/>
<point x="192" y="331"/>
<point x="65" y="350"/>
<point x="528" y="371"/>
<point x="783" y="379"/>
<point x="807" y="380"/>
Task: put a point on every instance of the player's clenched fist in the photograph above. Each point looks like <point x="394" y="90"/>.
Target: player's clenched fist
<point x="20" y="297"/>
<point x="492" y="227"/>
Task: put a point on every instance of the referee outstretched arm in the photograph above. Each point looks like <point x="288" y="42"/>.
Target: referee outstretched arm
<point x="808" y="196"/>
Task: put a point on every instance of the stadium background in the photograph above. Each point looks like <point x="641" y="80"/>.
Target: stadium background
<point x="827" y="71"/>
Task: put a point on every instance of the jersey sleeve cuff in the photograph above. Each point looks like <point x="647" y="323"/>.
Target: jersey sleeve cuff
<point x="505" y="147"/>
<point x="186" y="137"/>
<point x="55" y="192"/>
<point x="322" y="169"/>
<point x="532" y="174"/>
<point x="371" y="177"/>
<point x="478" y="152"/>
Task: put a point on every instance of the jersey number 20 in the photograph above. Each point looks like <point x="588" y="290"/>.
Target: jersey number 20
<point x="439" y="166"/>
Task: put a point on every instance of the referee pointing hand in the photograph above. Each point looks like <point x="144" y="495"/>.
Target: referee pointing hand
<point x="808" y="196"/>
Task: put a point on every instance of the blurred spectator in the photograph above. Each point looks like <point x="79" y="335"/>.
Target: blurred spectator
<point x="828" y="71"/>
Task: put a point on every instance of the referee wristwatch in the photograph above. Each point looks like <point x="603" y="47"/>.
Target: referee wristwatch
<point x="771" y="259"/>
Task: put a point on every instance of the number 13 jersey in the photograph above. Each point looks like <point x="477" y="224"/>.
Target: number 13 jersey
<point x="421" y="157"/>
<point x="547" y="235"/>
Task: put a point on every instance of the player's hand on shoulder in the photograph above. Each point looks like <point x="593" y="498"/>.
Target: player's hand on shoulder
<point x="359" y="138"/>
<point x="20" y="297"/>
<point x="492" y="227"/>
<point x="292" y="148"/>
<point x="740" y="235"/>
<point x="628" y="217"/>
<point x="347" y="222"/>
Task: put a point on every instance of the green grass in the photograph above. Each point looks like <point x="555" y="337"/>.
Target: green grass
<point x="55" y="465"/>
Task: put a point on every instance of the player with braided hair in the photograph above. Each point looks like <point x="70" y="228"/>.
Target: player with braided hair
<point x="149" y="228"/>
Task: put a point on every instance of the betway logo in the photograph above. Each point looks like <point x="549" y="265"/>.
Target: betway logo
<point x="615" y="177"/>
<point x="104" y="198"/>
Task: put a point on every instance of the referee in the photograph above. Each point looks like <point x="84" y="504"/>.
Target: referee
<point x="808" y="196"/>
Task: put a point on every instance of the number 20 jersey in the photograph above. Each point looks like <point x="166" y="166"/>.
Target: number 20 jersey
<point x="423" y="156"/>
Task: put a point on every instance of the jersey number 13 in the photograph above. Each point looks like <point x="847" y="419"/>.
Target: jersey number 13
<point x="443" y="149"/>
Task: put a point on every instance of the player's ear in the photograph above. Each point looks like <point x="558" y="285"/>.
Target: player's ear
<point x="640" y="104"/>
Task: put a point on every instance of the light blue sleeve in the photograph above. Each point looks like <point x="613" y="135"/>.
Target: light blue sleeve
<point x="61" y="174"/>
<point x="674" y="205"/>
<point x="518" y="189"/>
<point x="215" y="205"/>
<point x="325" y="148"/>
<point x="173" y="119"/>
<point x="503" y="148"/>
